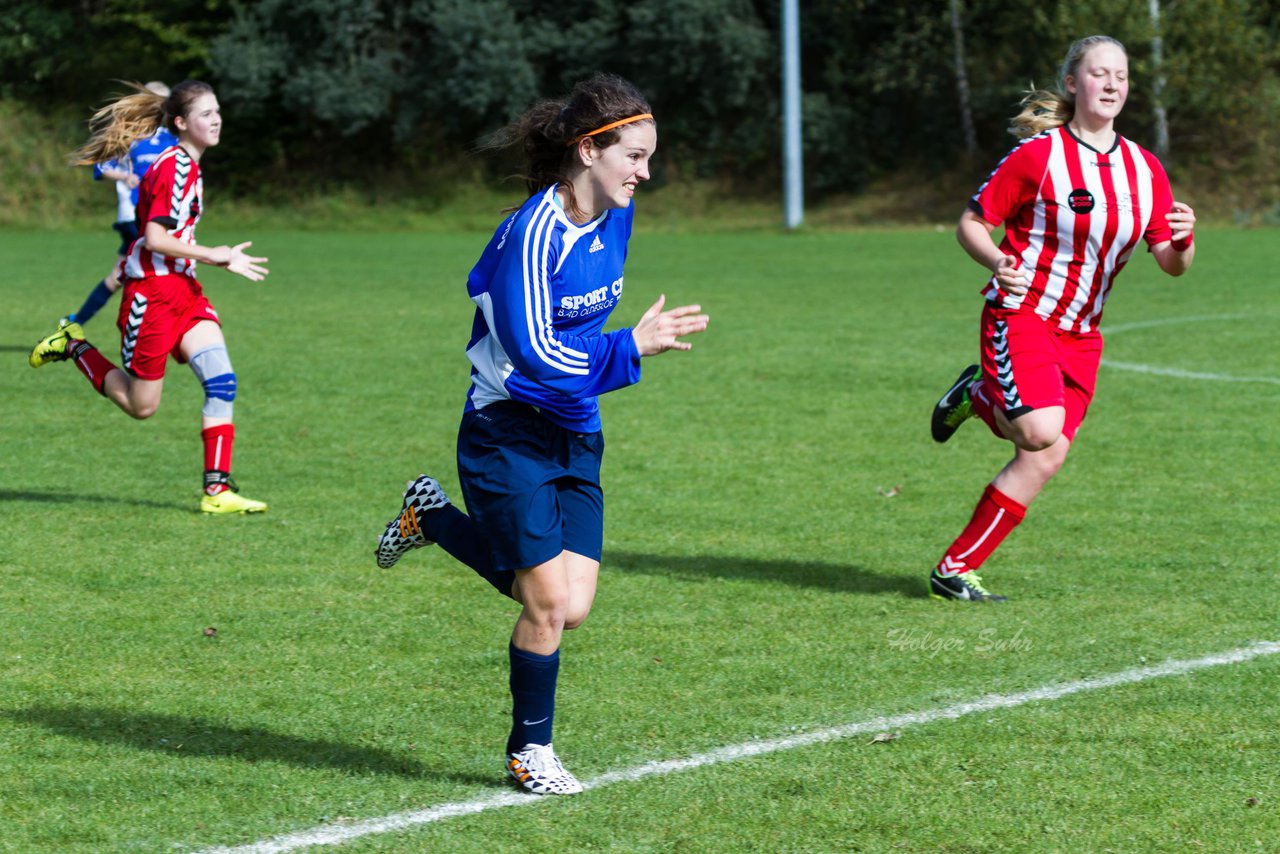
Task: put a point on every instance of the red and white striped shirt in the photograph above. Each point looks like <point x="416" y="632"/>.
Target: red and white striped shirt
<point x="1073" y="215"/>
<point x="172" y="194"/>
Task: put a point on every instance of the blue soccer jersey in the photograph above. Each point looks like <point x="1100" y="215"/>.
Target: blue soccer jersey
<point x="145" y="151"/>
<point x="141" y="155"/>
<point x="544" y="288"/>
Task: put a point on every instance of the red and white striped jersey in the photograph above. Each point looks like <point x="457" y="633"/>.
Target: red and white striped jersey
<point x="172" y="194"/>
<point x="1073" y="215"/>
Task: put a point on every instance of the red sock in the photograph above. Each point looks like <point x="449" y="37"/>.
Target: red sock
<point x="91" y="363"/>
<point x="217" y="456"/>
<point x="984" y="406"/>
<point x="995" y="516"/>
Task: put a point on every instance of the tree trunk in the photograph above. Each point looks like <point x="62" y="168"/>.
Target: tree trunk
<point x="1157" y="83"/>
<point x="962" y="81"/>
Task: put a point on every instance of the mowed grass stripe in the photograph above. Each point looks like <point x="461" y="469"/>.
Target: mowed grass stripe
<point x="739" y="752"/>
<point x="774" y="506"/>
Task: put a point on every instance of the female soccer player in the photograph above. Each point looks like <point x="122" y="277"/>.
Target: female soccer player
<point x="530" y="442"/>
<point x="1075" y="198"/>
<point x="164" y="310"/>
<point x="127" y="173"/>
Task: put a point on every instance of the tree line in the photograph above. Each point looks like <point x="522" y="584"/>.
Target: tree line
<point x="350" y="88"/>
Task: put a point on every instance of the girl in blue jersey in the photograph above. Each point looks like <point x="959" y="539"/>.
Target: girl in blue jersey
<point x="530" y="442"/>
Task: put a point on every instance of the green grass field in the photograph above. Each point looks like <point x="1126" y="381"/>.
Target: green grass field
<point x="774" y="506"/>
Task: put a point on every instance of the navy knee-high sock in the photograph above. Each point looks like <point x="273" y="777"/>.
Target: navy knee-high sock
<point x="459" y="535"/>
<point x="533" y="697"/>
<point x="94" y="302"/>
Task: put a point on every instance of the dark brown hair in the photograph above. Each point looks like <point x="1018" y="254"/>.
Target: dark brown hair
<point x="546" y="133"/>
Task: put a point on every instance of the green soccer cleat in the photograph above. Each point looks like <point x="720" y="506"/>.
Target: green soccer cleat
<point x="53" y="348"/>
<point x="230" y="501"/>
<point x="964" y="587"/>
<point x="954" y="408"/>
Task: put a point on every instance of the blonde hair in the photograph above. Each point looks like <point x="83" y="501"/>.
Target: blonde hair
<point x="1045" y="109"/>
<point x="131" y="117"/>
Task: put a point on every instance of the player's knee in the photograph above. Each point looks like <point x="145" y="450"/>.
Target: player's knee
<point x="143" y="411"/>
<point x="1045" y="462"/>
<point x="212" y="366"/>
<point x="1037" y="440"/>
<point x="557" y="616"/>
<point x="1036" y="431"/>
<point x="575" y="618"/>
<point x="549" y="612"/>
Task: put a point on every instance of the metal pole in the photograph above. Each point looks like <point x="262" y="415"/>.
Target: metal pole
<point x="792" y="155"/>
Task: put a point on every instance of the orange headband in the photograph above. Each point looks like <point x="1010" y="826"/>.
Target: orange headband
<point x="611" y="126"/>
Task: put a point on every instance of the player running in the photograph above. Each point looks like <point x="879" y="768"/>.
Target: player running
<point x="164" y="310"/>
<point x="530" y="443"/>
<point x="127" y="173"/>
<point x="1075" y="199"/>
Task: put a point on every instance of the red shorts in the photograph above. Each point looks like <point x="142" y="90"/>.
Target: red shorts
<point x="1028" y="364"/>
<point x="154" y="315"/>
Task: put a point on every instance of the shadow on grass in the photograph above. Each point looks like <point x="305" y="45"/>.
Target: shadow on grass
<point x="175" y="735"/>
<point x="831" y="576"/>
<point x="70" y="495"/>
<point x="17" y="348"/>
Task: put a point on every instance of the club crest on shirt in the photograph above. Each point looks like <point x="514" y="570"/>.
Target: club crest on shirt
<point x="1080" y="201"/>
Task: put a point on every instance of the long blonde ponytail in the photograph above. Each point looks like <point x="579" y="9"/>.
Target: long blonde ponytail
<point x="119" y="124"/>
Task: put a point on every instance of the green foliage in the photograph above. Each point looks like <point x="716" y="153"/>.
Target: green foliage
<point x="72" y="52"/>
<point x="1215" y="120"/>
<point x="27" y="29"/>
<point x="447" y="72"/>
<point x="339" y="93"/>
<point x="325" y="61"/>
<point x="727" y="118"/>
<point x="878" y="83"/>
<point x="474" y="72"/>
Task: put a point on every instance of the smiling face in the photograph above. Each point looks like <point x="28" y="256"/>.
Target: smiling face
<point x="201" y="127"/>
<point x="1100" y="85"/>
<point x="612" y="174"/>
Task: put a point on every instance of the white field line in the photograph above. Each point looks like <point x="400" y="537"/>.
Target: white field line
<point x="338" y="834"/>
<point x="1186" y="375"/>
<point x="1170" y="321"/>
<point x="1176" y="372"/>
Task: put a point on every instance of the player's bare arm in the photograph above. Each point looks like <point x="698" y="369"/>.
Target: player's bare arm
<point x="974" y="234"/>
<point x="233" y="258"/>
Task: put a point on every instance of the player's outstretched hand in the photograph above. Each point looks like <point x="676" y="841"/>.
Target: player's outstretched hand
<point x="244" y="265"/>
<point x="659" y="331"/>
<point x="1009" y="277"/>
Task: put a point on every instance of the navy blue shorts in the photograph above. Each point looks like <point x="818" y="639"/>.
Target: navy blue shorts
<point x="128" y="232"/>
<point x="532" y="486"/>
